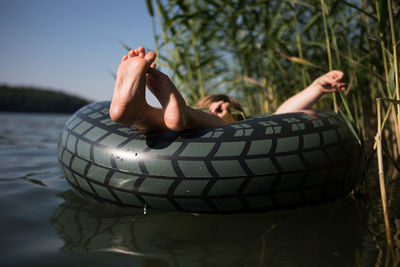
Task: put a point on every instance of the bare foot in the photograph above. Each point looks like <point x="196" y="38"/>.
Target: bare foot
<point x="128" y="105"/>
<point x="176" y="112"/>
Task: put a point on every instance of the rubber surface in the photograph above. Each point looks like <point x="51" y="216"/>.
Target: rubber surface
<point x="265" y="162"/>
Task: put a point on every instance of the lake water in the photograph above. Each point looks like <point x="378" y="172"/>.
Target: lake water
<point x="44" y="223"/>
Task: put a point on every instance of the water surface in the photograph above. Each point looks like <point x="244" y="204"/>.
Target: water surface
<point x="43" y="222"/>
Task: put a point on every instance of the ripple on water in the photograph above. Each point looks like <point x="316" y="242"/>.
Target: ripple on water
<point x="44" y="222"/>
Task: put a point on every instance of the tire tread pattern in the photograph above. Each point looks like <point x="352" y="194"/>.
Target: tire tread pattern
<point x="266" y="162"/>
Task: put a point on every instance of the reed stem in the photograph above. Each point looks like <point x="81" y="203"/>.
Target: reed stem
<point x="381" y="174"/>
<point x="396" y="71"/>
<point x="382" y="45"/>
<point x="394" y="47"/>
<point x="328" y="48"/>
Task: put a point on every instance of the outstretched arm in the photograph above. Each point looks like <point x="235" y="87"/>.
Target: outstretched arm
<point x="329" y="82"/>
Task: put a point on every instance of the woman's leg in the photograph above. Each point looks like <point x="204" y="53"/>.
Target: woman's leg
<point x="177" y="115"/>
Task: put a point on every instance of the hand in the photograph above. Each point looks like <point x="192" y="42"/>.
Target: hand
<point x="331" y="82"/>
<point x="221" y="109"/>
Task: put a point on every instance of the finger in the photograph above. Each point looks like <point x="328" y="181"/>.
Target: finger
<point x="329" y="80"/>
<point x="216" y="106"/>
<point x="339" y="87"/>
<point x="341" y="84"/>
<point x="336" y="74"/>
<point x="212" y="107"/>
<point x="342" y="87"/>
<point x="225" y="107"/>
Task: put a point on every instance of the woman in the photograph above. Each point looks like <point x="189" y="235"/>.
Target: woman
<point x="137" y="70"/>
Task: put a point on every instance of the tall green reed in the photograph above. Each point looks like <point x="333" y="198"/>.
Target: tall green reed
<point x="263" y="51"/>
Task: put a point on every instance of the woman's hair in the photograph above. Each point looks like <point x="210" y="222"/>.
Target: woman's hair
<point x="206" y="101"/>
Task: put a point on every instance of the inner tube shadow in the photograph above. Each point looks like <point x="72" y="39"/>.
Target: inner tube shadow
<point x="326" y="235"/>
<point x="161" y="140"/>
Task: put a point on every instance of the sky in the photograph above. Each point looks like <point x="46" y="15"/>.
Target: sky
<point x="69" y="45"/>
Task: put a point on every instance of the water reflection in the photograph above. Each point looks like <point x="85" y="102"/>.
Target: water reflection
<point x="318" y="236"/>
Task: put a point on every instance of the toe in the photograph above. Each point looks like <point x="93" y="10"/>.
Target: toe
<point x="131" y="53"/>
<point x="141" y="51"/>
<point x="124" y="58"/>
<point x="150" y="57"/>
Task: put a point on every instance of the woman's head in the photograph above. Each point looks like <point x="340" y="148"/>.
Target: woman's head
<point x="222" y="106"/>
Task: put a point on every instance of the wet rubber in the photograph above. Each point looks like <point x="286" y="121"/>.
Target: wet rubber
<point x="262" y="163"/>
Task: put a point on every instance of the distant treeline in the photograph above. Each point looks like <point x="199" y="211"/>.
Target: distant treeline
<point x="29" y="99"/>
